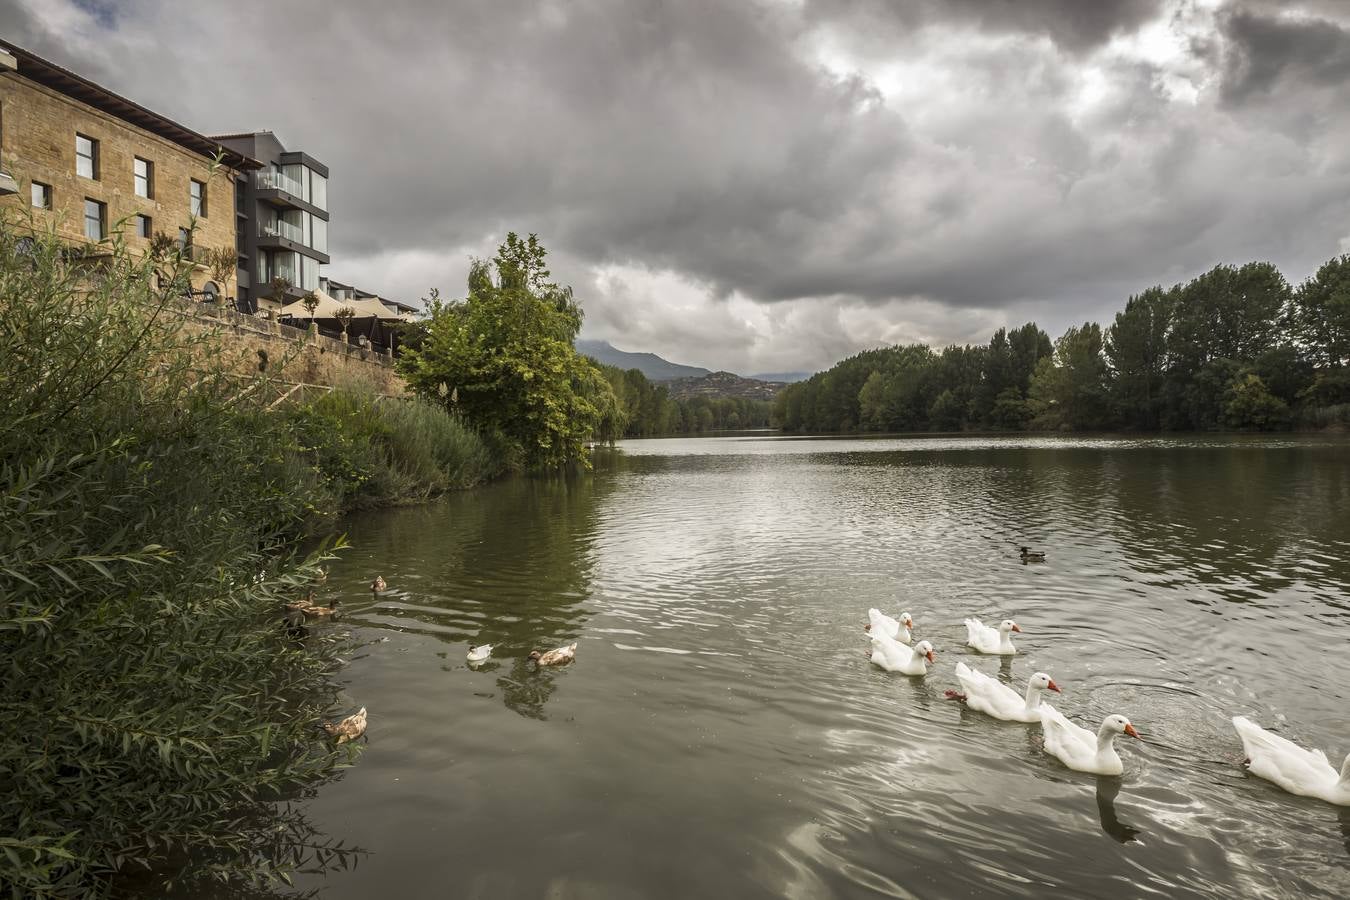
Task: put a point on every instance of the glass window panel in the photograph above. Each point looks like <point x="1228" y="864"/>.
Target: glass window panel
<point x="93" y="219"/>
<point x="142" y="170"/>
<point x="42" y="196"/>
<point x="142" y="224"/>
<point x="306" y="234"/>
<point x="197" y="198"/>
<point x="293" y="181"/>
<point x="309" y="274"/>
<point x="320" y="235"/>
<point x="318" y="192"/>
<point x="284" y="265"/>
<point x="86" y="156"/>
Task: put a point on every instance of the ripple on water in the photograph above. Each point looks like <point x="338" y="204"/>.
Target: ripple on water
<point x="722" y="708"/>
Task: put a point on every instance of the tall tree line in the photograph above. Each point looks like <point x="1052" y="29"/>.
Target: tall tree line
<point x="1235" y="348"/>
<point x="646" y="409"/>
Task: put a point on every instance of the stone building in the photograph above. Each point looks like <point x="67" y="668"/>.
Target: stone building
<point x="87" y="162"/>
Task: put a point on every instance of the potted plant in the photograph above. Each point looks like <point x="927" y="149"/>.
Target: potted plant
<point x="344" y="317"/>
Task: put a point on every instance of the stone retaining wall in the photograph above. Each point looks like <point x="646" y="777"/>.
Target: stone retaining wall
<point x="294" y="354"/>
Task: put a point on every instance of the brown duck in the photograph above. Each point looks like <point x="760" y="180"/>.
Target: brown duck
<point x="558" y="657"/>
<point x="350" y="728"/>
<point x="321" y="612"/>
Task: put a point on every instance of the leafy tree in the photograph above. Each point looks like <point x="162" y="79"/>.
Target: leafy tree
<point x="507" y="348"/>
<point x="1248" y="405"/>
<point x="344" y="317"/>
<point x="1011" y="410"/>
<point x="1136" y="348"/>
<point x="1069" y="390"/>
<point x="1320" y="314"/>
<point x="946" y="413"/>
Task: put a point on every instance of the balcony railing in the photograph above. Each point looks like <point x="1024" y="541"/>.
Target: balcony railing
<point x="282" y="229"/>
<point x="270" y="180"/>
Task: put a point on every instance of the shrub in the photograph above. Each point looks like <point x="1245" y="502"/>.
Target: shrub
<point x="373" y="451"/>
<point x="148" y="519"/>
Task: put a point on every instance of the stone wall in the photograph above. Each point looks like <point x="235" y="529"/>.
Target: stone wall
<point x="294" y="355"/>
<point x="38" y="144"/>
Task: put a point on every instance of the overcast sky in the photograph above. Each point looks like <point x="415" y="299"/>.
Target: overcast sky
<point x="770" y="186"/>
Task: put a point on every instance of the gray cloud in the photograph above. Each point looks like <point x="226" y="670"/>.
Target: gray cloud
<point x="1074" y="25"/>
<point x="1266" y="52"/>
<point x="773" y="185"/>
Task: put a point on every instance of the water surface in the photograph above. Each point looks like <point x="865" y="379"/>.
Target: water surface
<point x="722" y="733"/>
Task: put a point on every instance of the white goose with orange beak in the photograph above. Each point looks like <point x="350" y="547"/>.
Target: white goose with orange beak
<point x="879" y="622"/>
<point x="894" y="656"/>
<point x="994" y="698"/>
<point x="994" y="641"/>
<point x="1080" y="749"/>
<point x="1299" y="771"/>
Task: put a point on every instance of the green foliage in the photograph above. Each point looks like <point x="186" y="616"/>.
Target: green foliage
<point x="1248" y="405"/>
<point x="645" y="409"/>
<point x="372" y="451"/>
<point x="1320" y="317"/>
<point x="1177" y="358"/>
<point x="915" y="389"/>
<point x="1069" y="389"/>
<point x="1136" y="349"/>
<point x="506" y="351"/>
<point x="151" y="510"/>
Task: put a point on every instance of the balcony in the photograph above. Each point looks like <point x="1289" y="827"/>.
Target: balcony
<point x="266" y="180"/>
<point x="281" y="229"/>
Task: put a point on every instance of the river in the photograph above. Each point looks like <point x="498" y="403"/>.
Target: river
<point x="722" y="734"/>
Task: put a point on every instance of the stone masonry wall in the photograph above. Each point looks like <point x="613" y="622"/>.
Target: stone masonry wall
<point x="37" y="142"/>
<point x="293" y="355"/>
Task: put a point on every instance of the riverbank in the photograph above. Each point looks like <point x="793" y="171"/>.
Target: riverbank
<point x="155" y="503"/>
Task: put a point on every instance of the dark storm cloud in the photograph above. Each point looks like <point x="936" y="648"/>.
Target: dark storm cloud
<point x="1264" y="52"/>
<point x="823" y="173"/>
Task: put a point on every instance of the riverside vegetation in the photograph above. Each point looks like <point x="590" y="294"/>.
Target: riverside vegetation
<point x="504" y="358"/>
<point x="158" y="720"/>
<point x="1236" y="348"/>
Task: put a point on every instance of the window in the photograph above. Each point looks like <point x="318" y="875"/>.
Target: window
<point x="309" y="274"/>
<point x="95" y="219"/>
<point x="42" y="195"/>
<point x="318" y="190"/>
<point x="184" y="239"/>
<point x="142" y="225"/>
<point x="320" y="235"/>
<point x="197" y="198"/>
<point x="86" y="156"/>
<point x="293" y="181"/>
<point x="144" y="175"/>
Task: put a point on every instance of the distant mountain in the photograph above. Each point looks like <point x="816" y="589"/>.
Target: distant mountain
<point x="785" y="377"/>
<point x="723" y="384"/>
<point x="649" y="364"/>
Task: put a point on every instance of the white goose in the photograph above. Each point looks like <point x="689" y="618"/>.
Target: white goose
<point x="1303" y="772"/>
<point x="877" y="621"/>
<point x="1080" y="749"/>
<point x="894" y="656"/>
<point x="991" y="696"/>
<point x="995" y="641"/>
<point x="480" y="653"/>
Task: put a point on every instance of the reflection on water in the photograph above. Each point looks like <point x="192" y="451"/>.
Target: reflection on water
<point x="721" y="732"/>
<point x="1108" y="787"/>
